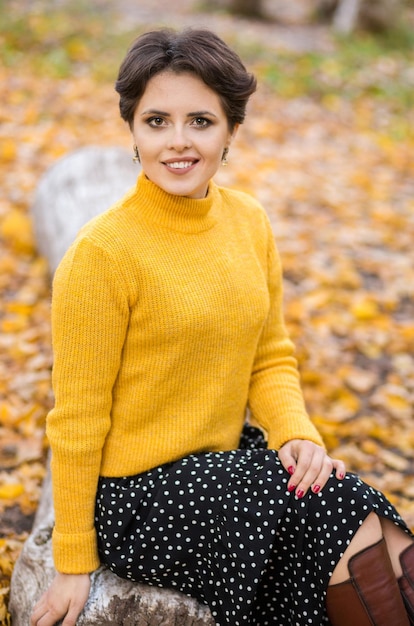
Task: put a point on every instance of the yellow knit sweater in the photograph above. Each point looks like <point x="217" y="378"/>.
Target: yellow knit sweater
<point x="167" y="322"/>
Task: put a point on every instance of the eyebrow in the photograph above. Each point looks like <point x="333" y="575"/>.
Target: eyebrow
<point x="166" y="114"/>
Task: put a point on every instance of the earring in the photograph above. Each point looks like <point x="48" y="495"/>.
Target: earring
<point x="136" y="158"/>
<point x="224" y="156"/>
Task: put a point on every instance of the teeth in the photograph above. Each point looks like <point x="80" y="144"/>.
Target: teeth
<point x="180" y="165"/>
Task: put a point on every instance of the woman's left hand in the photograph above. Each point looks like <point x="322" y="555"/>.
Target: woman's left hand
<point x="309" y="466"/>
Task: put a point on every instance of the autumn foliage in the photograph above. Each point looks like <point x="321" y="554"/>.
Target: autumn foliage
<point x="327" y="148"/>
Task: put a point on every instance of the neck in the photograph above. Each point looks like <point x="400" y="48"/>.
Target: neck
<point x="176" y="212"/>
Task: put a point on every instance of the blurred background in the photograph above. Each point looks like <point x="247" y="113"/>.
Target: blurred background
<point x="327" y="147"/>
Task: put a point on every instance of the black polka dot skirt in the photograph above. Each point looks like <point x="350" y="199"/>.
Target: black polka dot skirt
<point x="223" y="528"/>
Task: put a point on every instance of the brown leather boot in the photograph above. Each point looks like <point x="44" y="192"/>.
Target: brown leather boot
<point x="371" y="597"/>
<point x="406" y="582"/>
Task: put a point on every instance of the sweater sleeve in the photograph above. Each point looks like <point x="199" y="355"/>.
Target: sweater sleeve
<point x="89" y="320"/>
<point x="275" y="395"/>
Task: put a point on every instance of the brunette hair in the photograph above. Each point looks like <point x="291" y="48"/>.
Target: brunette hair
<point x="198" y="51"/>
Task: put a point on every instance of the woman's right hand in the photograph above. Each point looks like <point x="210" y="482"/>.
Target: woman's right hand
<point x="65" y="598"/>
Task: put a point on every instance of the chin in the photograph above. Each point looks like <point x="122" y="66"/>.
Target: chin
<point x="186" y="191"/>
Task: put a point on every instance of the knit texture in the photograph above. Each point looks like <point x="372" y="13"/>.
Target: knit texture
<point x="167" y="322"/>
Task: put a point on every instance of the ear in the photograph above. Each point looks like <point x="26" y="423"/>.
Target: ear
<point x="233" y="133"/>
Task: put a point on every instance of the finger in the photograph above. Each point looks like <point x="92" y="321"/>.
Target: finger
<point x="287" y="459"/>
<point x="50" y="613"/>
<point x="316" y="469"/>
<point x="38" y="611"/>
<point x="297" y="457"/>
<point x="74" y="611"/>
<point x="340" y="469"/>
<point x="306" y="462"/>
<point x="50" y="618"/>
<point x="326" y="472"/>
<point x="71" y="617"/>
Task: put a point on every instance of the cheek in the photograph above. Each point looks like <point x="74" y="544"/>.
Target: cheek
<point x="149" y="147"/>
<point x="214" y="148"/>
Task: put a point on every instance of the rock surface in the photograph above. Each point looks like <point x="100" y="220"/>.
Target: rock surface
<point x="78" y="187"/>
<point x="74" y="190"/>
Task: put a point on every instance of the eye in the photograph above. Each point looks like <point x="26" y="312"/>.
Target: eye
<point x="155" y="121"/>
<point x="201" y="122"/>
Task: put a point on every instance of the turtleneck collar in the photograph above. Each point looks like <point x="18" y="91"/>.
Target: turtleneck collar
<point x="176" y="212"/>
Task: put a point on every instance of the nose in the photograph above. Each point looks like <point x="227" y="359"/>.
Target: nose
<point x="179" y="138"/>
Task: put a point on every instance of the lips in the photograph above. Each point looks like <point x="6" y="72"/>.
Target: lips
<point x="180" y="165"/>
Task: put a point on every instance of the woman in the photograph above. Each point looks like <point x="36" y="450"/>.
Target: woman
<point x="167" y="325"/>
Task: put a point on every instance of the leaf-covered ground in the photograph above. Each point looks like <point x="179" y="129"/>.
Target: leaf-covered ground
<point x="327" y="147"/>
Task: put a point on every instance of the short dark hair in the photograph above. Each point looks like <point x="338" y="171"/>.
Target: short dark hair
<point x="197" y="51"/>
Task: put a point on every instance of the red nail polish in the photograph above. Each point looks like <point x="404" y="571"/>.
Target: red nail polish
<point x="316" y="488"/>
<point x="341" y="476"/>
<point x="291" y="488"/>
<point x="300" y="493"/>
<point x="291" y="469"/>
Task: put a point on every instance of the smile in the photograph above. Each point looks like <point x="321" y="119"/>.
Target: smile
<point x="180" y="165"/>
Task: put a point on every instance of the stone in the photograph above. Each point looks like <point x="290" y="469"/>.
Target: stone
<point x="74" y="190"/>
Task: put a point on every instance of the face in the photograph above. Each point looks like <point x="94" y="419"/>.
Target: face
<point x="181" y="131"/>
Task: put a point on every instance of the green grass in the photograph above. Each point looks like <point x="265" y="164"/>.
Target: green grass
<point x="82" y="38"/>
<point x="364" y="65"/>
<point x="61" y="42"/>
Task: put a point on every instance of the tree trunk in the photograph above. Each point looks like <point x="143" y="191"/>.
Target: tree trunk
<point x="349" y="15"/>
<point x="346" y="16"/>
<point x="248" y="8"/>
<point x="381" y="15"/>
<point x="76" y="189"/>
<point x="112" y="601"/>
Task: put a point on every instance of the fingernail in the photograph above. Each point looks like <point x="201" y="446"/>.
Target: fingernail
<point x="291" y="470"/>
<point x="300" y="493"/>
<point x="316" y="488"/>
<point x="341" y="475"/>
<point x="291" y="488"/>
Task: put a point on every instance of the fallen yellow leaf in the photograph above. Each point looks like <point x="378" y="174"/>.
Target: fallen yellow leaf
<point x="16" y="229"/>
<point x="365" y="310"/>
<point x="9" y="491"/>
<point x="8" y="150"/>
